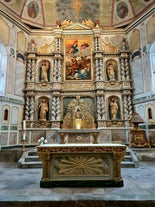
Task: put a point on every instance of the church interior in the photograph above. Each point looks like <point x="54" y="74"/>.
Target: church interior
<point x="77" y="98"/>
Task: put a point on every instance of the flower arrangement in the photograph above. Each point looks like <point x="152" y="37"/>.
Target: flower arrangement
<point x="42" y="141"/>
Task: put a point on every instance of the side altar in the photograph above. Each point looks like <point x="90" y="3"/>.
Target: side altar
<point x="81" y="165"/>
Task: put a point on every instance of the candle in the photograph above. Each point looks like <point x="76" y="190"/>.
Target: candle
<point x="24" y="129"/>
<point x="24" y="124"/>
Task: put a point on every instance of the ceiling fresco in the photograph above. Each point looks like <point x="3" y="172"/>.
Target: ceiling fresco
<point x="45" y="13"/>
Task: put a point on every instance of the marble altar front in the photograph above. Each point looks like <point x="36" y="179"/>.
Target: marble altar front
<point x="81" y="165"/>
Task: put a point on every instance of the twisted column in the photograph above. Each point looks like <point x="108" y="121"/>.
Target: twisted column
<point x="27" y="108"/>
<point x="55" y="108"/>
<point x="122" y="69"/>
<point x="98" y="69"/>
<point x="28" y="70"/>
<point x="100" y="107"/>
<point x="33" y="69"/>
<point x="31" y="102"/>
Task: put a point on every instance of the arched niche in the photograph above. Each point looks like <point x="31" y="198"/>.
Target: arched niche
<point x="111" y="69"/>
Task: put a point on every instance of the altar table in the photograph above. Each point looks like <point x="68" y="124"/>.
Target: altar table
<point x="81" y="165"/>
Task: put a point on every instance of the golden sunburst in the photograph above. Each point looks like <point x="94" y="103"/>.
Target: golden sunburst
<point x="81" y="166"/>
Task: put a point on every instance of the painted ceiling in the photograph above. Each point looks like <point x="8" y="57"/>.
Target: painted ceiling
<point x="45" y="13"/>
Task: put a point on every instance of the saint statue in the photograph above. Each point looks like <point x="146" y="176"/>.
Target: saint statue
<point x="44" y="71"/>
<point x="110" y="71"/>
<point x="43" y="109"/>
<point x="113" y="108"/>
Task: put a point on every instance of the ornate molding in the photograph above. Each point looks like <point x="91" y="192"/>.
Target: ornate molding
<point x="78" y="86"/>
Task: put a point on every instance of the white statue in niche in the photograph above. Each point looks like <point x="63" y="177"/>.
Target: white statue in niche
<point x="44" y="70"/>
<point x="110" y="71"/>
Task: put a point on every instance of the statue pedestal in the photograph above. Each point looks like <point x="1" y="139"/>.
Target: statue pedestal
<point x="81" y="165"/>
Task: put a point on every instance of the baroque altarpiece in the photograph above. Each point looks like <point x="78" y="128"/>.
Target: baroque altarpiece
<point x="82" y="82"/>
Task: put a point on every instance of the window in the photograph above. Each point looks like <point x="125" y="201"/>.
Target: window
<point x="3" y="63"/>
<point x="149" y="113"/>
<point x="6" y="115"/>
<point x="152" y="62"/>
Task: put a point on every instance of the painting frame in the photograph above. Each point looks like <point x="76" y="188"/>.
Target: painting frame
<point x="78" y="59"/>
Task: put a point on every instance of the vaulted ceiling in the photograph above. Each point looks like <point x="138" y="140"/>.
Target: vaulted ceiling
<point x="45" y="13"/>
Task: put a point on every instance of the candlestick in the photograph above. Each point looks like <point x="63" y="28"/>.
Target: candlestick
<point x="23" y="145"/>
<point x="24" y="135"/>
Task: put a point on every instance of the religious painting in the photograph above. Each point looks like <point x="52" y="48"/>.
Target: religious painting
<point x="76" y="10"/>
<point x="78" y="59"/>
<point x="32" y="9"/>
<point x="122" y="9"/>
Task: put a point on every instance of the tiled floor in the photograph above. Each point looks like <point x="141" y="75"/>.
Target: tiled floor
<point x="24" y="185"/>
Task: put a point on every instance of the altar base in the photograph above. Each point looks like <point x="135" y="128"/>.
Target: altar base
<point x="85" y="183"/>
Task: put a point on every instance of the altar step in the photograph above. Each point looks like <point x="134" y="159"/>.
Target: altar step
<point x="30" y="159"/>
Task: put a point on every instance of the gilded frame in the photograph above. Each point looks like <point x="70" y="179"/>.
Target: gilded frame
<point x="78" y="59"/>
